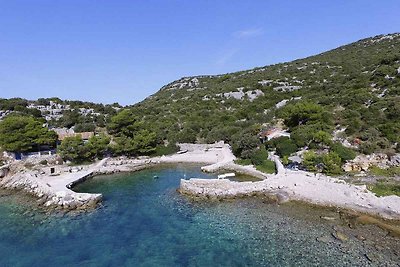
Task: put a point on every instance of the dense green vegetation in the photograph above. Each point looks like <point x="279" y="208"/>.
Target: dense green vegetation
<point x="267" y="166"/>
<point x="127" y="137"/>
<point x="259" y="158"/>
<point x="20" y="133"/>
<point x="71" y="116"/>
<point x="19" y="105"/>
<point x="76" y="150"/>
<point x="283" y="145"/>
<point x="131" y="136"/>
<point x="355" y="86"/>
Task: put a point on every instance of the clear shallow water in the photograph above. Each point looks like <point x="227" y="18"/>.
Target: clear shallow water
<point x="144" y="222"/>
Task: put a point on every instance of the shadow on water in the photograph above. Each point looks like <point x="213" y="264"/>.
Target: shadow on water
<point x="143" y="221"/>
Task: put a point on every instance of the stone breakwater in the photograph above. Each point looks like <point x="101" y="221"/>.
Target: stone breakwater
<point x="49" y="196"/>
<point x="53" y="188"/>
<point x="226" y="189"/>
<point x="54" y="191"/>
<point x="300" y="186"/>
<point x="288" y="185"/>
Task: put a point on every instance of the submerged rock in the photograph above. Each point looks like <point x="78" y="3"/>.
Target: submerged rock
<point x="326" y="218"/>
<point x="372" y="257"/>
<point x="340" y="236"/>
<point x="324" y="239"/>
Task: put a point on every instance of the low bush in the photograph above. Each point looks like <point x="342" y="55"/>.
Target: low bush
<point x="329" y="163"/>
<point x="385" y="189"/>
<point x="284" y="146"/>
<point x="389" y="172"/>
<point x="343" y="152"/>
<point x="243" y="162"/>
<point x="162" y="150"/>
<point x="267" y="166"/>
<point x="259" y="156"/>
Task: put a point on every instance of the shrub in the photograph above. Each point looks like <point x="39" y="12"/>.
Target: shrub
<point x="74" y="149"/>
<point x="186" y="135"/>
<point x="267" y="166"/>
<point x="243" y="162"/>
<point x="259" y="156"/>
<point x="84" y="127"/>
<point x="311" y="160"/>
<point x="244" y="144"/>
<point x="332" y="163"/>
<point x="322" y="138"/>
<point x="389" y="172"/>
<point x="343" y="152"/>
<point x="285" y="146"/>
<point x="166" y="150"/>
<point x="367" y="147"/>
<point x="384" y="189"/>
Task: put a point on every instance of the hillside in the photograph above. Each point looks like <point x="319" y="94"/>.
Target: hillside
<point x="323" y="109"/>
<point x="83" y="116"/>
<point x="356" y="85"/>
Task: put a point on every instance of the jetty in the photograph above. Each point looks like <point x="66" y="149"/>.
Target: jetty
<point x="55" y="191"/>
<point x="287" y="185"/>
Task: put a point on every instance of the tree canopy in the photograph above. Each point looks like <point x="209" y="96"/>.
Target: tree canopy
<point x="20" y="133"/>
<point x="76" y="150"/>
<point x="130" y="135"/>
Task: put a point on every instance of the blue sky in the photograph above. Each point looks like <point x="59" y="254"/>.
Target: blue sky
<point x="122" y="51"/>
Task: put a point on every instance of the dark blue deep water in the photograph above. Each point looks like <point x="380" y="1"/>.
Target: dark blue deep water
<point x="144" y="222"/>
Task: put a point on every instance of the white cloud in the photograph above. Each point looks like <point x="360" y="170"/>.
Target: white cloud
<point x="248" y="33"/>
<point x="226" y="56"/>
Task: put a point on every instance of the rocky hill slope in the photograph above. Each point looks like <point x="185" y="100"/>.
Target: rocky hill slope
<point x="356" y="85"/>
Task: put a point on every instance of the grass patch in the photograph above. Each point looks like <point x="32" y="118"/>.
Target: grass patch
<point x="243" y="162"/>
<point x="389" y="172"/>
<point x="162" y="150"/>
<point x="268" y="166"/>
<point x="383" y="189"/>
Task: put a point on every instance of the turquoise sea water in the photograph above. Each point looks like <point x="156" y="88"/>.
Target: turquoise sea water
<point x="143" y="221"/>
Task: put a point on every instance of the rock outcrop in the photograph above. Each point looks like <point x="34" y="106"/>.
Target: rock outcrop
<point x="364" y="162"/>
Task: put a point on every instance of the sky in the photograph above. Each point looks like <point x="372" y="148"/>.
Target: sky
<point x="125" y="50"/>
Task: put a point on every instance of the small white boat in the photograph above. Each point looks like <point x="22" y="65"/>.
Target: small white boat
<point x="226" y="175"/>
<point x="182" y="151"/>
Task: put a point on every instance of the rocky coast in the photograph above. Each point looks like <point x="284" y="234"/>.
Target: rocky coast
<point x="55" y="190"/>
<point x="288" y="185"/>
<point x="52" y="185"/>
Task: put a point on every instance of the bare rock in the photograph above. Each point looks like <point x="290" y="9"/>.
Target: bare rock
<point x="340" y="236"/>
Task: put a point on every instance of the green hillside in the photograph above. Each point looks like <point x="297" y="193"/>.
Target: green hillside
<point x="356" y="87"/>
<point x="333" y="105"/>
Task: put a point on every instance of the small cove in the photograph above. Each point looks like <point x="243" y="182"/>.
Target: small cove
<point x="143" y="221"/>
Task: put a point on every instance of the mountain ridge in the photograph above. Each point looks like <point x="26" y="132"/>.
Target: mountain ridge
<point x="357" y="83"/>
<point x="376" y="38"/>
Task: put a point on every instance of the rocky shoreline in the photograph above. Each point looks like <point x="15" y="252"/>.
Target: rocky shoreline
<point x="54" y="191"/>
<point x="287" y="185"/>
